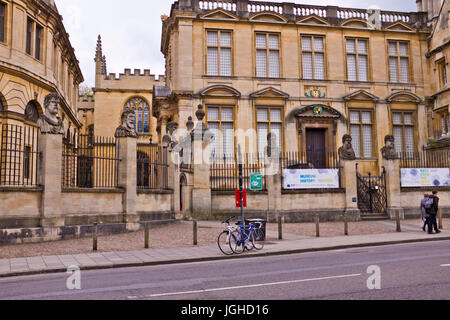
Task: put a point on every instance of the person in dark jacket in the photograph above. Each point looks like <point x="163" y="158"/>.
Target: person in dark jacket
<point x="432" y="222"/>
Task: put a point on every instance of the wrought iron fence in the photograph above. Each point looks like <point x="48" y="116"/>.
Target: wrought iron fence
<point x="224" y="171"/>
<point x="425" y="159"/>
<point x="372" y="193"/>
<point x="152" y="167"/>
<point x="90" y="162"/>
<point x="309" y="160"/>
<point x="19" y="155"/>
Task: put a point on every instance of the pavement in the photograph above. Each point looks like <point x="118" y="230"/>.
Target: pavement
<point x="289" y="245"/>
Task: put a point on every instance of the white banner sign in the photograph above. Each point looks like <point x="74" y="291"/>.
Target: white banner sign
<point x="311" y="179"/>
<point x="421" y="177"/>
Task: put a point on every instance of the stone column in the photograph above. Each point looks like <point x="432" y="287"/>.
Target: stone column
<point x="272" y="171"/>
<point x="50" y="167"/>
<point x="350" y="184"/>
<point x="201" y="191"/>
<point x="393" y="184"/>
<point x="391" y="165"/>
<point x="127" y="177"/>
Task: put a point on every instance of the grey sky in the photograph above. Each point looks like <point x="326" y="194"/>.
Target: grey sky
<point x="131" y="30"/>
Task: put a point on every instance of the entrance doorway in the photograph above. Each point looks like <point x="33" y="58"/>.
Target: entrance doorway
<point x="315" y="147"/>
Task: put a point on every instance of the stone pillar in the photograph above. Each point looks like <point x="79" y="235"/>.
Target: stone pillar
<point x="201" y="191"/>
<point x="392" y="167"/>
<point x="350" y="183"/>
<point x="50" y="170"/>
<point x="127" y="177"/>
<point x="273" y="185"/>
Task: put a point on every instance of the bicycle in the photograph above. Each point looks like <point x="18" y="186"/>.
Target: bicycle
<point x="223" y="241"/>
<point x="247" y="238"/>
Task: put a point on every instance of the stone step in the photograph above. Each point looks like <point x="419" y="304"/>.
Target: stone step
<point x="159" y="223"/>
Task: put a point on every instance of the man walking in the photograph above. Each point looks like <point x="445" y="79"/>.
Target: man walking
<point x="432" y="222"/>
<point x="427" y="202"/>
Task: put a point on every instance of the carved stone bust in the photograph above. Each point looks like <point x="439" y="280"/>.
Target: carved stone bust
<point x="346" y="152"/>
<point x="388" y="151"/>
<point x="50" y="122"/>
<point x="127" y="129"/>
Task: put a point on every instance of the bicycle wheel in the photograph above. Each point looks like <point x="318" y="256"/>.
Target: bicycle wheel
<point x="235" y="244"/>
<point x="223" y="241"/>
<point x="256" y="237"/>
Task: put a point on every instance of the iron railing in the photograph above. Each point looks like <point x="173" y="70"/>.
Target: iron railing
<point x="90" y="162"/>
<point x="152" y="167"/>
<point x="224" y="171"/>
<point x="19" y="155"/>
<point x="425" y="159"/>
<point x="372" y="193"/>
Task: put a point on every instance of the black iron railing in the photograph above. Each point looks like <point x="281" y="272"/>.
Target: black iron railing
<point x="224" y="171"/>
<point x="425" y="159"/>
<point x="152" y="167"/>
<point x="19" y="155"/>
<point x="90" y="162"/>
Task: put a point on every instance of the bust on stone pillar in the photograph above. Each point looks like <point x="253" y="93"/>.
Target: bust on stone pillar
<point x="50" y="122"/>
<point x="346" y="152"/>
<point x="388" y="151"/>
<point x="127" y="128"/>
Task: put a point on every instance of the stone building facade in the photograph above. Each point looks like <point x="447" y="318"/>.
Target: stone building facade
<point x="261" y="67"/>
<point x="36" y="58"/>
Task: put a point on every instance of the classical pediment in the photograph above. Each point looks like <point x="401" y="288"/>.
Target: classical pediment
<point x="318" y="111"/>
<point x="361" y="95"/>
<point x="403" y="96"/>
<point x="219" y="14"/>
<point x="267" y="16"/>
<point x="313" y="20"/>
<point x="356" y="23"/>
<point x="399" y="26"/>
<point x="269" y="93"/>
<point x="220" y="91"/>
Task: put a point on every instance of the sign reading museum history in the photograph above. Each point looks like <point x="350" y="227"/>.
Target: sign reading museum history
<point x="423" y="177"/>
<point x="311" y="179"/>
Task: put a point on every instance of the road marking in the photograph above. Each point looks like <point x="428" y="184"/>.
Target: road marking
<point x="445" y="265"/>
<point x="250" y="286"/>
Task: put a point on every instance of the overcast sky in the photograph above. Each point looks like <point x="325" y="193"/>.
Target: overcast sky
<point x="131" y="30"/>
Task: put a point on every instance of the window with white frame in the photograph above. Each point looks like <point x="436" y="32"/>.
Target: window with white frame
<point x="220" y="123"/>
<point x="357" y="60"/>
<point x="219" y="53"/>
<point x="399" y="61"/>
<point x="267" y="55"/>
<point x="313" y="57"/>
<point x="361" y="130"/>
<point x="269" y="119"/>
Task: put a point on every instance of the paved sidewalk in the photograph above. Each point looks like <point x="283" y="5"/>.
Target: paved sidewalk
<point x="290" y="244"/>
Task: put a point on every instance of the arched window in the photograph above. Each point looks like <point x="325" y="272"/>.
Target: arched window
<point x="1" y="105"/>
<point x="31" y="112"/>
<point x="142" y="110"/>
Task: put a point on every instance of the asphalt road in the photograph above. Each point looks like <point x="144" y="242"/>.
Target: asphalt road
<point x="411" y="271"/>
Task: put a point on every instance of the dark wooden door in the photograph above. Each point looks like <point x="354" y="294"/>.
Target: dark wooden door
<point x="315" y="147"/>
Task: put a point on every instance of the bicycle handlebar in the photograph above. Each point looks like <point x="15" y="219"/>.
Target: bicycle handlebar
<point x="229" y="219"/>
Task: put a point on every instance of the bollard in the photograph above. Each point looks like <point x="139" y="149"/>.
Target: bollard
<point x="440" y="218"/>
<point x="146" y="235"/>
<point x="397" y="219"/>
<point x="316" y="219"/>
<point x="280" y="228"/>
<point x="94" y="237"/>
<point x="345" y="224"/>
<point x="195" y="232"/>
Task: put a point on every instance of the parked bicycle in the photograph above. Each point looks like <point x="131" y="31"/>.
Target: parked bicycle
<point x="247" y="237"/>
<point x="223" y="241"/>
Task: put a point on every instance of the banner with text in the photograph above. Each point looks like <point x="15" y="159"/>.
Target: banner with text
<point x="311" y="179"/>
<point x="426" y="177"/>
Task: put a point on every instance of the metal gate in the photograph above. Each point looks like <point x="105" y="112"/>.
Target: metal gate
<point x="372" y="193"/>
